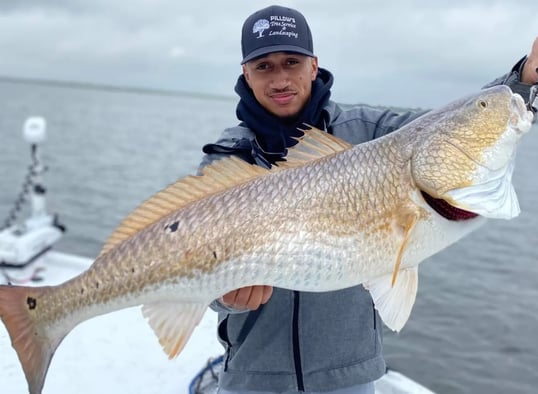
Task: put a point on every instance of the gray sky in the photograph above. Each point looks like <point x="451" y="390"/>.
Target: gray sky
<point x="404" y="53"/>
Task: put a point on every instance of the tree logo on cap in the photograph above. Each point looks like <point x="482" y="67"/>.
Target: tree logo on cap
<point x="260" y="26"/>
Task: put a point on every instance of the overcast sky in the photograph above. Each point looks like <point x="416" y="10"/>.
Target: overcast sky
<point x="404" y="53"/>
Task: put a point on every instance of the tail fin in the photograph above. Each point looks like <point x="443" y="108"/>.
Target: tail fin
<point x="20" y="310"/>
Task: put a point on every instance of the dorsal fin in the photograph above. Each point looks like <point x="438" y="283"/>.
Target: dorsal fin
<point x="217" y="177"/>
<point x="313" y="145"/>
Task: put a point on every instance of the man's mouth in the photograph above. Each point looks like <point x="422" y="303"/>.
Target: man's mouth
<point x="282" y="98"/>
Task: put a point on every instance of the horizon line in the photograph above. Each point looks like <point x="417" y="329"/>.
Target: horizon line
<point x="112" y="88"/>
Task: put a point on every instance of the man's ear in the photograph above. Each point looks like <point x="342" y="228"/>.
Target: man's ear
<point x="246" y="74"/>
<point x="314" y="74"/>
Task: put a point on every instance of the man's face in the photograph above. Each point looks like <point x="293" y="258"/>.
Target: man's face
<point x="281" y="81"/>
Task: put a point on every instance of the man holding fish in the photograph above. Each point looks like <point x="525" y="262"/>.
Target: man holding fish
<point x="280" y="340"/>
<point x="304" y="259"/>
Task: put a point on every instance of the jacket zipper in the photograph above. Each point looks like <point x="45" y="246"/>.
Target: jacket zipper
<point x="295" y="340"/>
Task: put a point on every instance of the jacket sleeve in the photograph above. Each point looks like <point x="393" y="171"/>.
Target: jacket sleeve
<point x="219" y="307"/>
<point x="513" y="80"/>
<point x="390" y="120"/>
<point x="226" y="144"/>
<point x="238" y="141"/>
<point x="364" y="123"/>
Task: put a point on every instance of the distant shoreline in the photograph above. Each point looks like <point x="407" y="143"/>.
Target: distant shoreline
<point x="112" y="88"/>
<point x="154" y="91"/>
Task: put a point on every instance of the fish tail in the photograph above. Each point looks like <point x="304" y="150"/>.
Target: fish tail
<point x="34" y="347"/>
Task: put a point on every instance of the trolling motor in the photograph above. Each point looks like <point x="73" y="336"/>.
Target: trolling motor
<point x="22" y="243"/>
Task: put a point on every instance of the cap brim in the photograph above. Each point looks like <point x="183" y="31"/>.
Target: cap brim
<point x="275" y="48"/>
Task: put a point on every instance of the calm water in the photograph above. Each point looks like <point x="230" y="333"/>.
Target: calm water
<point x="474" y="325"/>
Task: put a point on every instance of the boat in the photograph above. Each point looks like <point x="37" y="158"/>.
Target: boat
<point x="114" y="353"/>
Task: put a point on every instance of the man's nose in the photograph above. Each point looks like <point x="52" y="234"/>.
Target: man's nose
<point x="281" y="79"/>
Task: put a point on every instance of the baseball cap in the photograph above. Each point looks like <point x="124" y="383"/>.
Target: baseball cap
<point x="275" y="29"/>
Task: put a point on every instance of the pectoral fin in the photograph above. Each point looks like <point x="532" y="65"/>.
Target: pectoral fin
<point x="173" y="323"/>
<point x="407" y="222"/>
<point x="394" y="302"/>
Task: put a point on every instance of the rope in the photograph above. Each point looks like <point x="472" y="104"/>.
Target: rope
<point x="26" y="187"/>
<point x="209" y="372"/>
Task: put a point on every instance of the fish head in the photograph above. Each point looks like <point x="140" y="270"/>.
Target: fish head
<point x="465" y="152"/>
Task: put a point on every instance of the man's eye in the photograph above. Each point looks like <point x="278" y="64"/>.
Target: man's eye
<point x="291" y="62"/>
<point x="262" y="66"/>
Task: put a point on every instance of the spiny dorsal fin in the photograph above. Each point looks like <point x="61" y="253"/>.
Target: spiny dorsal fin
<point x="313" y="145"/>
<point x="216" y="177"/>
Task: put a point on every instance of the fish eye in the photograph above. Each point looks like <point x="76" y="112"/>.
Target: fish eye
<point x="482" y="104"/>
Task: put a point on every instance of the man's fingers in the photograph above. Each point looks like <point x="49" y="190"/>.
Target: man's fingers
<point x="242" y="298"/>
<point x="229" y="298"/>
<point x="534" y="50"/>
<point x="267" y="293"/>
<point x="250" y="297"/>
<point x="529" y="74"/>
<point x="258" y="295"/>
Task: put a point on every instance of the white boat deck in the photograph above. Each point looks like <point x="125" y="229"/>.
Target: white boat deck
<point x="118" y="352"/>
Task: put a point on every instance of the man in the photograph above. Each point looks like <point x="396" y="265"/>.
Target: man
<point x="277" y="340"/>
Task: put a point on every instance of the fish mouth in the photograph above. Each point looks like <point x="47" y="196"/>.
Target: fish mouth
<point x="493" y="196"/>
<point x="521" y="119"/>
<point x="448" y="211"/>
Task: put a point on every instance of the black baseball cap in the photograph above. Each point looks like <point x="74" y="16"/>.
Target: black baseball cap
<point x="275" y="29"/>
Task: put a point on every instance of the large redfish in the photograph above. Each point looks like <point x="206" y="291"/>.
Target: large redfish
<point x="331" y="216"/>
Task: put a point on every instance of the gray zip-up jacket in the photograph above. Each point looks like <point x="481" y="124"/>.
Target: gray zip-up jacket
<point x="301" y="341"/>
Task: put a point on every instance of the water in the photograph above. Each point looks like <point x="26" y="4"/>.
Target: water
<point x="473" y="326"/>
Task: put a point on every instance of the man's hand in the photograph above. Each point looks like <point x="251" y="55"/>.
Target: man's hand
<point x="530" y="69"/>
<point x="250" y="297"/>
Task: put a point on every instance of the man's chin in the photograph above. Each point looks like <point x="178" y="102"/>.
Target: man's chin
<point x="287" y="115"/>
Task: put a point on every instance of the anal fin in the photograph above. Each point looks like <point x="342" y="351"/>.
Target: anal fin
<point x="394" y="302"/>
<point x="173" y="323"/>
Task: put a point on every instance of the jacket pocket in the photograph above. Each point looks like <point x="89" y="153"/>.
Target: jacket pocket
<point x="339" y="329"/>
<point x="222" y="332"/>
